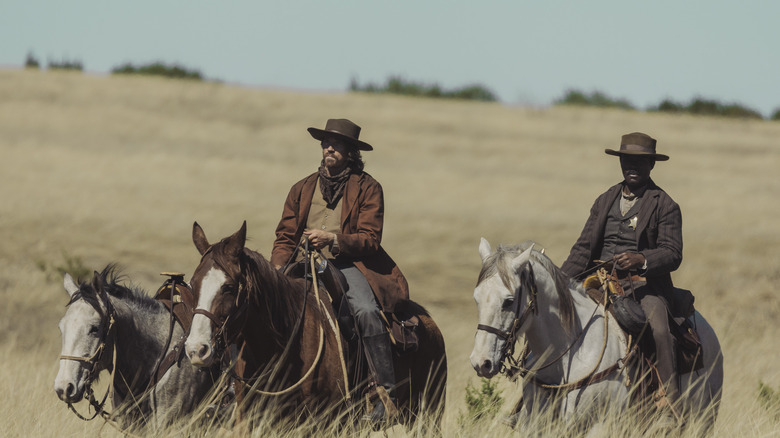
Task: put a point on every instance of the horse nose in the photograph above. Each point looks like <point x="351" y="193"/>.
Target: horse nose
<point x="65" y="394"/>
<point x="486" y="367"/>
<point x="199" y="354"/>
<point x="203" y="351"/>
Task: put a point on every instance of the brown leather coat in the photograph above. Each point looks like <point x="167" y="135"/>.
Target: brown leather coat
<point x="362" y="219"/>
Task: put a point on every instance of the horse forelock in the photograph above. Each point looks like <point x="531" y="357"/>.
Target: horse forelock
<point x="499" y="263"/>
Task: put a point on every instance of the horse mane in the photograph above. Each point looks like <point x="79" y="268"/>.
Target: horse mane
<point x="274" y="293"/>
<point x="111" y="276"/>
<point x="495" y="264"/>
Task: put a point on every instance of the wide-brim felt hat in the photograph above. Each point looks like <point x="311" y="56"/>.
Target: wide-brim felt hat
<point x="637" y="144"/>
<point x="342" y="129"/>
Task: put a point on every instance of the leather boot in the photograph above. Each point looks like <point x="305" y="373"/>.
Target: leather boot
<point x="380" y="355"/>
<point x="667" y="371"/>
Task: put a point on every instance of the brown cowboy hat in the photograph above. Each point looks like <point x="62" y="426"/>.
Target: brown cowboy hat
<point x="637" y="144"/>
<point x="342" y="129"/>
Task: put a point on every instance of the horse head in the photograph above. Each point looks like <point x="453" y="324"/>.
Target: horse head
<point x="501" y="299"/>
<point x="216" y="282"/>
<point x="86" y="329"/>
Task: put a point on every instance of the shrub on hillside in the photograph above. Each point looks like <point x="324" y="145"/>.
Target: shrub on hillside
<point x="158" y="69"/>
<point x="399" y="85"/>
<point x="31" y="61"/>
<point x="776" y="115"/>
<point x="72" y="265"/>
<point x="66" y="64"/>
<point x="482" y="403"/>
<point x="707" y="107"/>
<point x="596" y="98"/>
<point x="770" y="399"/>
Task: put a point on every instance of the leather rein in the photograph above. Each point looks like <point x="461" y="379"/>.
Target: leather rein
<point x="220" y="339"/>
<point x="511" y="366"/>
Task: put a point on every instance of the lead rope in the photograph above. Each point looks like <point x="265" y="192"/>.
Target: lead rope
<point x="598" y="362"/>
<point x="336" y="331"/>
<point x="316" y="359"/>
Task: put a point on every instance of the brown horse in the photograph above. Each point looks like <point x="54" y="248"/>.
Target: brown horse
<point x="291" y="343"/>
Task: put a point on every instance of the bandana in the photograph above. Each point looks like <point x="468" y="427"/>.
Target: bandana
<point x="332" y="187"/>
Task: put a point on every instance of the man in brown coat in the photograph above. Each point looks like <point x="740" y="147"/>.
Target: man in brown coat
<point x="340" y="208"/>
<point x="639" y="227"/>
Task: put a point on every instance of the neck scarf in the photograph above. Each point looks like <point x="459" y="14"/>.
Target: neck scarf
<point x="332" y="187"/>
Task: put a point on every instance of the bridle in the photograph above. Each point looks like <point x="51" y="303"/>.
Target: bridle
<point x="512" y="366"/>
<point x="93" y="363"/>
<point x="220" y="339"/>
<point x="527" y="281"/>
<point x="241" y="313"/>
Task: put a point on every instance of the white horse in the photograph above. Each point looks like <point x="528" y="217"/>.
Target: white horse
<point x="576" y="350"/>
<point x="108" y="326"/>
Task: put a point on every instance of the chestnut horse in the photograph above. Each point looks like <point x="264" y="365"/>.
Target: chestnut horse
<point x="290" y="340"/>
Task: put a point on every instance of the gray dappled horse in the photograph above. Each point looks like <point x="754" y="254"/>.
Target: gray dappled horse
<point x="130" y="348"/>
<point x="569" y="339"/>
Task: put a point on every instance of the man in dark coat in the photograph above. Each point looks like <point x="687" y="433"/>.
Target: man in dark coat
<point x="340" y="208"/>
<point x="639" y="227"/>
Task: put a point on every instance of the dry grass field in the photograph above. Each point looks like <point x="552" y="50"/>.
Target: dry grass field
<point x="116" y="169"/>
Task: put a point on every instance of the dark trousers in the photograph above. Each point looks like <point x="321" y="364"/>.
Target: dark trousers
<point x="655" y="310"/>
<point x="361" y="301"/>
<point x="370" y="324"/>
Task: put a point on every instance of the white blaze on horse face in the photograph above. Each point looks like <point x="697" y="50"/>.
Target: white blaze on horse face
<point x="81" y="333"/>
<point x="198" y="345"/>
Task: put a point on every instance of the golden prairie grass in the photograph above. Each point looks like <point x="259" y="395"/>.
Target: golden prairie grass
<point x="116" y="169"/>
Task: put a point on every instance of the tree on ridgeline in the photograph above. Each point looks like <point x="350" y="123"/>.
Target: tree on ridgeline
<point x="31" y="62"/>
<point x="595" y="98"/>
<point x="708" y="107"/>
<point x="65" y="64"/>
<point x="173" y="71"/>
<point x="401" y="86"/>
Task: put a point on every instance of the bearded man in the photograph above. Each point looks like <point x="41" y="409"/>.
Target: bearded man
<point x="340" y="209"/>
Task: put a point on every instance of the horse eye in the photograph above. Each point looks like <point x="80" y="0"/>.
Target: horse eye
<point x="507" y="305"/>
<point x="228" y="289"/>
<point x="93" y="329"/>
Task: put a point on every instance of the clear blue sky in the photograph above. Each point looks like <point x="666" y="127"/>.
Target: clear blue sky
<point x="527" y="52"/>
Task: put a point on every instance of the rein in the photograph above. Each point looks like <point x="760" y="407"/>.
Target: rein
<point x="221" y="325"/>
<point x="511" y="366"/>
<point x="321" y="338"/>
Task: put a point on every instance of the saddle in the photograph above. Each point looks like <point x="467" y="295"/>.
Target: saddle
<point x="177" y="297"/>
<point x="632" y="319"/>
<point x="180" y="299"/>
<point x="401" y="327"/>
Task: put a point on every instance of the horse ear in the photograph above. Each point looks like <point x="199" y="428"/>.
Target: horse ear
<point x="199" y="239"/>
<point x="97" y="282"/>
<point x="70" y="286"/>
<point x="236" y="242"/>
<point x="484" y="249"/>
<point x="522" y="259"/>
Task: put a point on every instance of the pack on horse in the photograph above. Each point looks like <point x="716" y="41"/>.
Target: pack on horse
<point x="291" y="346"/>
<point x="108" y="326"/>
<point x="577" y="354"/>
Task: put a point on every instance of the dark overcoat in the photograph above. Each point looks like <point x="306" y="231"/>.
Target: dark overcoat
<point x="658" y="234"/>
<point x="362" y="222"/>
